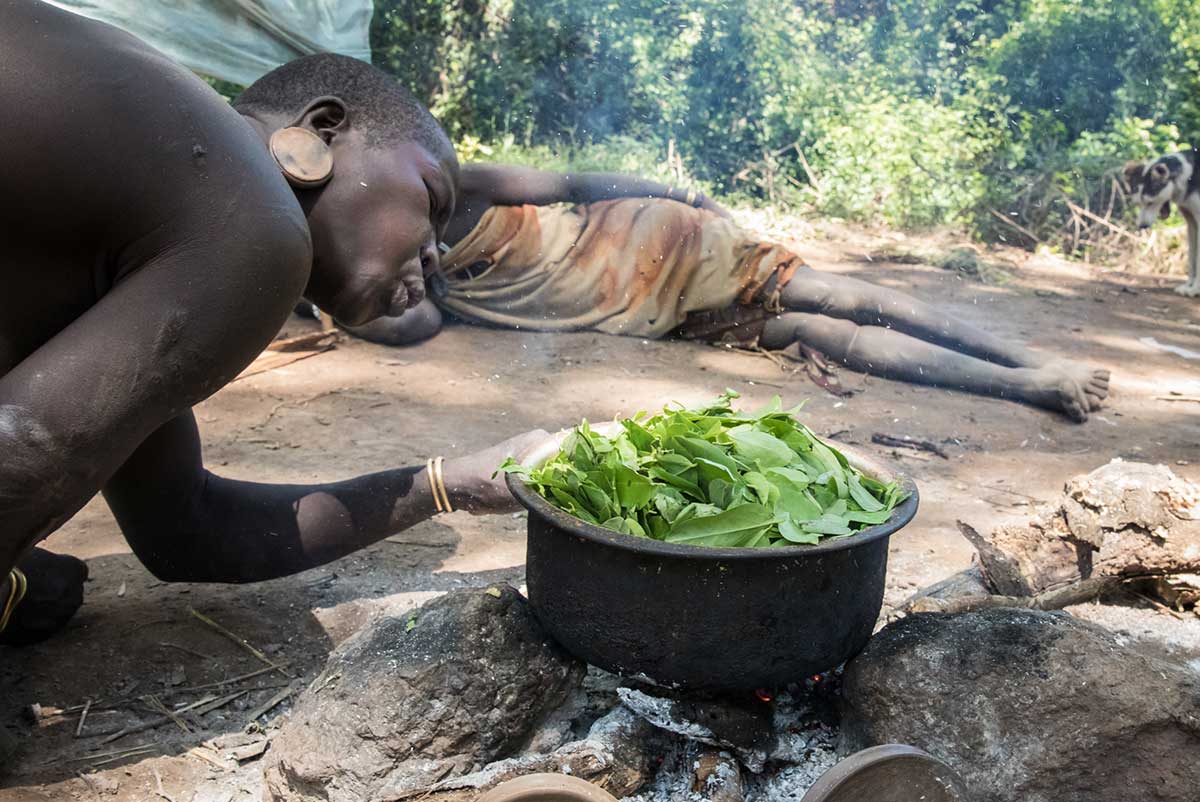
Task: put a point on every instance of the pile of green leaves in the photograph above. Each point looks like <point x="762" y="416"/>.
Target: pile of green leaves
<point x="712" y="477"/>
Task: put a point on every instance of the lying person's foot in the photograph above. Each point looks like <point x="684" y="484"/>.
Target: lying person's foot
<point x="1053" y="388"/>
<point x="53" y="594"/>
<point x="1093" y="381"/>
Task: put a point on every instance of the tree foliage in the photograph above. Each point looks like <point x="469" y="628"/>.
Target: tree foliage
<point x="917" y="112"/>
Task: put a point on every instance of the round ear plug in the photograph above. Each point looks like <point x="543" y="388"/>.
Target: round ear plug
<point x="302" y="156"/>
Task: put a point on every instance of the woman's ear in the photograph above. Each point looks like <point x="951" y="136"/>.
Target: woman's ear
<point x="302" y="149"/>
<point x="305" y="160"/>
<point x="325" y="116"/>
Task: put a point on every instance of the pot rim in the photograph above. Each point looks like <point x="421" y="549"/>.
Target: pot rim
<point x="535" y="504"/>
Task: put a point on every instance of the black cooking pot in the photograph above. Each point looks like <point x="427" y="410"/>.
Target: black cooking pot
<point x="698" y="618"/>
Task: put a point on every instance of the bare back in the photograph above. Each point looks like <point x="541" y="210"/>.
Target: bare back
<point x="150" y="250"/>
<point x="112" y="155"/>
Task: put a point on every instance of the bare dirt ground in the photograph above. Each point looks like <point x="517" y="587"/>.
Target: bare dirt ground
<point x="363" y="407"/>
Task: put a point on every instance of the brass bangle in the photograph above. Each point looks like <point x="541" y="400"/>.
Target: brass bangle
<point x="437" y="484"/>
<point x="16" y="593"/>
<point x="438" y="465"/>
<point x="691" y="197"/>
<point x="433" y="485"/>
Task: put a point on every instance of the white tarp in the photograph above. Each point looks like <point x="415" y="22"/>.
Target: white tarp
<point x="238" y="40"/>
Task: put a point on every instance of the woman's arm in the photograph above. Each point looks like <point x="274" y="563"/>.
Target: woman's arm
<point x="189" y="525"/>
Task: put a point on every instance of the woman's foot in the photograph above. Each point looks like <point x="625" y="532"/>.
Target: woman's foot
<point x="54" y="593"/>
<point x="1093" y="381"/>
<point x="1073" y="388"/>
<point x="1052" y="388"/>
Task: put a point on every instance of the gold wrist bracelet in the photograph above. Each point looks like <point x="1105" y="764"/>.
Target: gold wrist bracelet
<point x="437" y="484"/>
<point x="16" y="593"/>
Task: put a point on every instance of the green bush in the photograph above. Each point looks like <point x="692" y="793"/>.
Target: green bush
<point x="909" y="112"/>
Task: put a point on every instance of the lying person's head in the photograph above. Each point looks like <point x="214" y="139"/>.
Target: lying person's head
<point x="375" y="173"/>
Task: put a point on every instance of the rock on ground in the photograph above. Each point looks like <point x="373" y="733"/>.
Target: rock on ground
<point x="414" y="699"/>
<point x="1122" y="519"/>
<point x="1029" y="707"/>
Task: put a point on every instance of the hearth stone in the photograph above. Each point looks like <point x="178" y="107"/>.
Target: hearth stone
<point x="412" y="699"/>
<point x="1029" y="707"/>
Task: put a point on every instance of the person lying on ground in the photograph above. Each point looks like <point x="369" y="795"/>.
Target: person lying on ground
<point x="153" y="247"/>
<point x="630" y="258"/>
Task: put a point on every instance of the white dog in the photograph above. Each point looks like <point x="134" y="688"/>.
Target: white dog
<point x="1154" y="186"/>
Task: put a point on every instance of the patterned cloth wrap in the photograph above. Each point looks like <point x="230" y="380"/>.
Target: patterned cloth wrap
<point x="640" y="267"/>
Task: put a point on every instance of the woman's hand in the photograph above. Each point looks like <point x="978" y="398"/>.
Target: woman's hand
<point x="469" y="481"/>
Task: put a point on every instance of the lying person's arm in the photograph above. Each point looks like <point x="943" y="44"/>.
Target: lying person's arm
<point x="508" y="185"/>
<point x="189" y="525"/>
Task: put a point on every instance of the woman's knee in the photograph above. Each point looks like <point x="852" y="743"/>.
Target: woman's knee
<point x="831" y="336"/>
<point x="821" y="293"/>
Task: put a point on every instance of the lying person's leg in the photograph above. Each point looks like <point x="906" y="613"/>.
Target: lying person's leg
<point x="870" y="305"/>
<point x="894" y="355"/>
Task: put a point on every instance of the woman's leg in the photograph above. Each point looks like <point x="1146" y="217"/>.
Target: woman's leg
<point x="870" y="305"/>
<point x="894" y="355"/>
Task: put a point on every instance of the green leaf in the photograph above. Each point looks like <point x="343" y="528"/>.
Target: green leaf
<point x="733" y="527"/>
<point x="827" y="525"/>
<point x="794" y="534"/>
<point x="766" y="492"/>
<point x="862" y="497"/>
<point x="674" y="463"/>
<point x="510" y="465"/>
<point x="714" y="470"/>
<point x="766" y="450"/>
<point x="617" y="524"/>
<point x="721" y="493"/>
<point x="668" y="502"/>
<point x="700" y="449"/>
<point x="691" y="488"/>
<point x="638" y="435"/>
<point x="633" y="490"/>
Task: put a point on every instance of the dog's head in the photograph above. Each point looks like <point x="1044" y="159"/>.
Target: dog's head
<point x="1154" y="184"/>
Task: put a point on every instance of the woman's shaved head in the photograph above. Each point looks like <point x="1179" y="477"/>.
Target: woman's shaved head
<point x="378" y="105"/>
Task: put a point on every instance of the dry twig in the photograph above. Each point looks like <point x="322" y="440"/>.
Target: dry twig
<point x="270" y="704"/>
<point x="186" y="650"/>
<point x="882" y="439"/>
<point x="201" y="707"/>
<point x="87" y="706"/>
<point x="240" y="641"/>
<point x="157" y="704"/>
